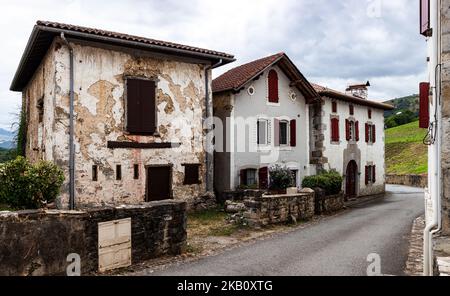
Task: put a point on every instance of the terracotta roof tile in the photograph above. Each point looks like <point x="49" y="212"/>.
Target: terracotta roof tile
<point x="237" y="77"/>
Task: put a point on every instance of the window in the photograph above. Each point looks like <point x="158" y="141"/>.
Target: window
<point x="273" y="87"/>
<point x="118" y="172"/>
<point x="141" y="114"/>
<point x="263" y="132"/>
<point x="334" y="107"/>
<point x="369" y="113"/>
<point x="352" y="130"/>
<point x="136" y="172"/>
<point x="294" y="176"/>
<point x="94" y="173"/>
<point x="371" y="136"/>
<point x="263" y="178"/>
<point x="251" y="91"/>
<point x="335" y="137"/>
<point x="352" y="110"/>
<point x="284" y="130"/>
<point x="248" y="177"/>
<point x="40" y="109"/>
<point x="191" y="174"/>
<point x="370" y="174"/>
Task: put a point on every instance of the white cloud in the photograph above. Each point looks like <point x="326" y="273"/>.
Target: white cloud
<point x="332" y="42"/>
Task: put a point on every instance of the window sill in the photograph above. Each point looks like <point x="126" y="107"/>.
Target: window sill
<point x="273" y="104"/>
<point x="335" y="143"/>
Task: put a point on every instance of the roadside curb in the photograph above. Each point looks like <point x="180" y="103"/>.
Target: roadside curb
<point x="364" y="200"/>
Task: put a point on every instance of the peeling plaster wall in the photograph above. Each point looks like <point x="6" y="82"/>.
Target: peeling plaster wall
<point x="100" y="117"/>
<point x="340" y="154"/>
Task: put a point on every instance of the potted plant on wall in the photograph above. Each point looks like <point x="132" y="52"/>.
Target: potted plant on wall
<point x="281" y="178"/>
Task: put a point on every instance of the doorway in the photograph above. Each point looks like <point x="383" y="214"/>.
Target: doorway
<point x="351" y="180"/>
<point x="159" y="183"/>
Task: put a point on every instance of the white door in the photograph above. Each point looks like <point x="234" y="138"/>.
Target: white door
<point x="114" y="244"/>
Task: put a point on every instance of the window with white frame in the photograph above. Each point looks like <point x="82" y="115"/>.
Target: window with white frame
<point x="263" y="132"/>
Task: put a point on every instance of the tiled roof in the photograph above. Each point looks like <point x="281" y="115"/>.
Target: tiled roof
<point x="328" y="92"/>
<point x="99" y="32"/>
<point x="237" y="77"/>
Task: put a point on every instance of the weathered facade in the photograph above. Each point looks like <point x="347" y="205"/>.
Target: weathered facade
<point x="114" y="164"/>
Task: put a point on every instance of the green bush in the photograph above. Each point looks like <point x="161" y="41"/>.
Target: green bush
<point x="27" y="186"/>
<point x="281" y="178"/>
<point x="330" y="181"/>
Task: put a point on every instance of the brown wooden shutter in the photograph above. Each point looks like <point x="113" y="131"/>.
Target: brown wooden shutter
<point x="357" y="131"/>
<point x="277" y="132"/>
<point x="133" y="106"/>
<point x="367" y="175"/>
<point x="374" y="179"/>
<point x="424" y="111"/>
<point x="148" y="95"/>
<point x="273" y="86"/>
<point x="191" y="174"/>
<point x="347" y="130"/>
<point x="334" y="107"/>
<point x="352" y="110"/>
<point x="374" y="135"/>
<point x="369" y="113"/>
<point x="367" y="133"/>
<point x="293" y="133"/>
<point x="263" y="178"/>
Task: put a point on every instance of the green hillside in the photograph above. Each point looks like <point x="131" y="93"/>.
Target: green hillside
<point x="410" y="103"/>
<point x="405" y="151"/>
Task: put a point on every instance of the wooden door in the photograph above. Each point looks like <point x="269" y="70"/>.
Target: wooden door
<point x="114" y="244"/>
<point x="159" y="183"/>
<point x="350" y="179"/>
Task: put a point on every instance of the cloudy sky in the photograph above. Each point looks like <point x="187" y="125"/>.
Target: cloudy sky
<point x="333" y="43"/>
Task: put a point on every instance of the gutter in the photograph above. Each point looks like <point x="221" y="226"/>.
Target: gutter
<point x="209" y="137"/>
<point x="71" y="129"/>
<point x="436" y="224"/>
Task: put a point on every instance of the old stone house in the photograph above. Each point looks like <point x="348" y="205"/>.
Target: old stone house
<point x="287" y="121"/>
<point x="133" y="107"/>
<point x="353" y="131"/>
<point x="264" y="108"/>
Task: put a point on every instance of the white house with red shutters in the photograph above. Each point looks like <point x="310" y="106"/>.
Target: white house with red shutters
<point x="269" y="114"/>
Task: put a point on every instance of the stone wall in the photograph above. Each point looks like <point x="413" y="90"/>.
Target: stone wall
<point x="328" y="204"/>
<point x="38" y="242"/>
<point x="420" y="181"/>
<point x="276" y="209"/>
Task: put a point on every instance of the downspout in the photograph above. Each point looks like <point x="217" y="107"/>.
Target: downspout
<point x="436" y="224"/>
<point x="71" y="129"/>
<point x="209" y="147"/>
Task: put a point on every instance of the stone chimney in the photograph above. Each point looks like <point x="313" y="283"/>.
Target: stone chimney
<point x="359" y="90"/>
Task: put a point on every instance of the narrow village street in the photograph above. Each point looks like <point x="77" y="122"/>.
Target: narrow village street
<point x="338" y="247"/>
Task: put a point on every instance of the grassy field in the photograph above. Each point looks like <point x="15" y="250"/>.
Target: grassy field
<point x="405" y="151"/>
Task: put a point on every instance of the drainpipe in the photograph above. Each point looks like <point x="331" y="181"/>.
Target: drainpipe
<point x="71" y="130"/>
<point x="436" y="187"/>
<point x="209" y="148"/>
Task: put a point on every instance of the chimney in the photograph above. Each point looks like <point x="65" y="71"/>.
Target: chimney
<point x="359" y="90"/>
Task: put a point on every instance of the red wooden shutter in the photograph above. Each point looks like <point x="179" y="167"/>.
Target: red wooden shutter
<point x="336" y="127"/>
<point x="374" y="170"/>
<point x="357" y="130"/>
<point x="264" y="178"/>
<point x="347" y="129"/>
<point x="277" y="132"/>
<point x="335" y="130"/>
<point x="133" y="106"/>
<point x="367" y="175"/>
<point x="273" y="86"/>
<point x="424" y="111"/>
<point x="293" y="133"/>
<point x="367" y="133"/>
<point x="374" y="135"/>
<point x="334" y="107"/>
<point x="425" y="18"/>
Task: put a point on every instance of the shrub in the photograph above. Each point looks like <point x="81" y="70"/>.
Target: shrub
<point x="330" y="181"/>
<point x="281" y="178"/>
<point x="27" y="186"/>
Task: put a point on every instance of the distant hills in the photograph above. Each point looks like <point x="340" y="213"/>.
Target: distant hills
<point x="406" y="111"/>
<point x="6" y="139"/>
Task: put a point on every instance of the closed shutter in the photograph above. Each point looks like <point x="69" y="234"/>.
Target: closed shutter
<point x="367" y="133"/>
<point x="191" y="174"/>
<point x="334" y="107"/>
<point x="335" y="130"/>
<point x="347" y="130"/>
<point x="425" y="18"/>
<point x="141" y="106"/>
<point x="424" y="110"/>
<point x="374" y="169"/>
<point x="273" y="86"/>
<point x="352" y="110"/>
<point x="263" y="178"/>
<point x="367" y="175"/>
<point x="357" y="131"/>
<point x="293" y="133"/>
<point x="374" y="134"/>
<point x="276" y="132"/>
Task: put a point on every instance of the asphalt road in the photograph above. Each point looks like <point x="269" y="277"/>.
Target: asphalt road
<point x="336" y="246"/>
